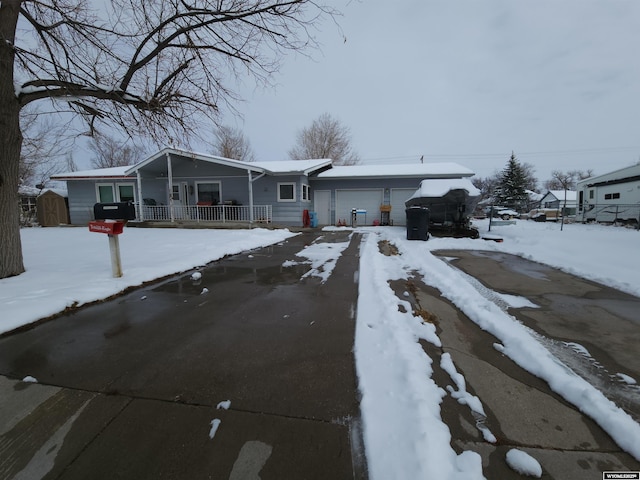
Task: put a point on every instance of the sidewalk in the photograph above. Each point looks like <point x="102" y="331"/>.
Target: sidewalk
<point x="135" y="387"/>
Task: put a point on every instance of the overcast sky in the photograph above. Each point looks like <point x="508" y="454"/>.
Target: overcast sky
<point x="556" y="81"/>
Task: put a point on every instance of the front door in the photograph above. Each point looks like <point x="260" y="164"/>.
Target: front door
<point x="180" y="194"/>
<point x="322" y="205"/>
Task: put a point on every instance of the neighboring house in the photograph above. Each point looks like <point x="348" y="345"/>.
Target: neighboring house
<point x="564" y="200"/>
<point x="47" y="206"/>
<point x="610" y="197"/>
<point x="28" y="200"/>
<point x="179" y="186"/>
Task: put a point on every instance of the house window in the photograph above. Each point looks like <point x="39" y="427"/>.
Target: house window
<point x="306" y="193"/>
<point x="126" y="192"/>
<point x="115" y="192"/>
<point x="208" y="193"/>
<point x="105" y="193"/>
<point x="28" y="204"/>
<point x="287" y="192"/>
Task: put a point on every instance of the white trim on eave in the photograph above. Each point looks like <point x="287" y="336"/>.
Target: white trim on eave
<point x="196" y="156"/>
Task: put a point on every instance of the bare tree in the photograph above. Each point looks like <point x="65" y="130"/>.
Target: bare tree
<point x="154" y="68"/>
<point x="530" y="179"/>
<point x="486" y="185"/>
<point x="325" y="138"/>
<point x="70" y="164"/>
<point x="231" y="143"/>
<point x="109" y="152"/>
<point x="566" y="180"/>
<point x="43" y="148"/>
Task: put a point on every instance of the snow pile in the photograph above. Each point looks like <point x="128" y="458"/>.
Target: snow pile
<point x="523" y="463"/>
<point x="215" y="423"/>
<point x="404" y="434"/>
<point x="439" y="187"/>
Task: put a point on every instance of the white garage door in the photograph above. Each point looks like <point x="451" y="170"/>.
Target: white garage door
<point x="365" y="199"/>
<point x="398" y="197"/>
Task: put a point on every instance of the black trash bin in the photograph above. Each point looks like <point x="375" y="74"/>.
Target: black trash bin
<point x="417" y="223"/>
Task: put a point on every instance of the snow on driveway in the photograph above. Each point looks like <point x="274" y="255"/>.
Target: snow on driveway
<point x="404" y="434"/>
<point x="401" y="403"/>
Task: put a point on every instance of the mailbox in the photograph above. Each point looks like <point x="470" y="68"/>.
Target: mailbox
<point x="110" y="228"/>
<point x="114" y="211"/>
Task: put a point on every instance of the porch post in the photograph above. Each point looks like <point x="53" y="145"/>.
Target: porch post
<point x="140" y="201"/>
<point x="170" y="179"/>
<point x="250" y="198"/>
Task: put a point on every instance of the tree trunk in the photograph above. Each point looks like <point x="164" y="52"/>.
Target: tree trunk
<point x="10" y="145"/>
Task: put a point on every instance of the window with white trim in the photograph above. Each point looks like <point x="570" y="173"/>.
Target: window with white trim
<point x="115" y="192"/>
<point x="306" y="193"/>
<point x="287" y="192"/>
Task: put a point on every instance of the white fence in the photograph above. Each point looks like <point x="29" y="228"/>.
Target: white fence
<point x="215" y="213"/>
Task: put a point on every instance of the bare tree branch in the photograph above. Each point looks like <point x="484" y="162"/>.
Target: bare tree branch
<point x="325" y="138"/>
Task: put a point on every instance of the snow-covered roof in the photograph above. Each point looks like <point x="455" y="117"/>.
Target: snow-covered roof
<point x="194" y="155"/>
<point x="424" y="170"/>
<point x="293" y="166"/>
<point x="439" y="187"/>
<point x="113" y="172"/>
<point x="302" y="167"/>
<point x="534" y="196"/>
<point x="27" y="191"/>
<point x="559" y="194"/>
<point x="274" y="168"/>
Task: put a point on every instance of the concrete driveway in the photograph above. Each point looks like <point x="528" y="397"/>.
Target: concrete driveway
<point x="252" y="376"/>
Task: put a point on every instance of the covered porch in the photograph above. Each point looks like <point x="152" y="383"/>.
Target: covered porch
<point x="180" y="186"/>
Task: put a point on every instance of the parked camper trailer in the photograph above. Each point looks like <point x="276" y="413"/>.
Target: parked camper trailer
<point x="610" y="198"/>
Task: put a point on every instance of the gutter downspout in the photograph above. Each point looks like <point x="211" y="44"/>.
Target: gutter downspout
<point x="140" y="202"/>
<point x="251" y="180"/>
<point x="170" y="179"/>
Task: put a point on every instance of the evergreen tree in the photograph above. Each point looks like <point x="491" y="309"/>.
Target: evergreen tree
<point x="511" y="191"/>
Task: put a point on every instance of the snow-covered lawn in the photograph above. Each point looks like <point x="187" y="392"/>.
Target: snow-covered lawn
<point x="71" y="266"/>
<point x="401" y="403"/>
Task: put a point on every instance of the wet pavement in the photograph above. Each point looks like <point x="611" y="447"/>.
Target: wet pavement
<point x="522" y="411"/>
<point x="593" y="329"/>
<point x="131" y="386"/>
<point x="136" y="387"/>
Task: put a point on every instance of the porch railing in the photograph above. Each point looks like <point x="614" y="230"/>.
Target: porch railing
<point x="214" y="213"/>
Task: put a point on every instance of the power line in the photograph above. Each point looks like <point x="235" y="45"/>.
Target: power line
<point x="471" y="156"/>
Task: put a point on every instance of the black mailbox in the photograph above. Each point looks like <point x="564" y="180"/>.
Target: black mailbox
<point x="114" y="211"/>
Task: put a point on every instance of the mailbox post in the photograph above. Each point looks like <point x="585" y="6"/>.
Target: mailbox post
<point x="110" y="218"/>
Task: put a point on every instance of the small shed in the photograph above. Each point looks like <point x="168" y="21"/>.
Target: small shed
<point x="52" y="209"/>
